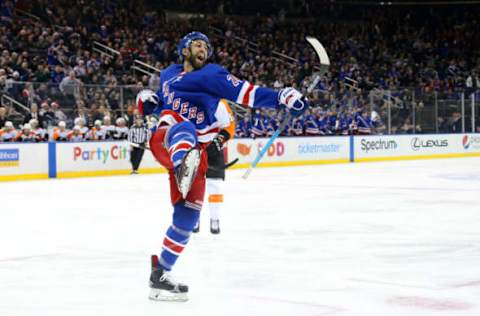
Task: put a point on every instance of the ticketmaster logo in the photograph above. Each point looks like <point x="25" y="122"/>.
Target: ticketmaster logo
<point x="317" y="148"/>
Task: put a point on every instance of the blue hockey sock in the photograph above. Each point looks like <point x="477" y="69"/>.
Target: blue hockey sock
<point x="181" y="138"/>
<point x="178" y="234"/>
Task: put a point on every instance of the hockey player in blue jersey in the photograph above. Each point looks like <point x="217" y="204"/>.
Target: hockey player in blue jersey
<point x="344" y="123"/>
<point x="270" y="124"/>
<point x="193" y="116"/>
<point x="244" y="127"/>
<point x="364" y="123"/>
<point x="311" y="125"/>
<point x="258" y="124"/>
<point x="297" y="126"/>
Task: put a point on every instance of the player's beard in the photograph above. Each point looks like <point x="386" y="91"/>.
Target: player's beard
<point x="195" y="62"/>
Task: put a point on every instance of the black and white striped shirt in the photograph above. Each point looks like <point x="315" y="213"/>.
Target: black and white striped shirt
<point x="138" y="134"/>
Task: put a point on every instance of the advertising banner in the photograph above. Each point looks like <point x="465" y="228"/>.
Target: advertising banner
<point x="399" y="147"/>
<point x="23" y="161"/>
<point x="20" y="161"/>
<point x="290" y="151"/>
<point x="470" y="143"/>
<point x="98" y="158"/>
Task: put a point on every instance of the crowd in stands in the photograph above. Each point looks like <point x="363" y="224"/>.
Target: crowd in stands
<point x="49" y="64"/>
<point x="32" y="130"/>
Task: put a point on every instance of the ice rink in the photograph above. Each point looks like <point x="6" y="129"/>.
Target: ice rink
<point x="394" y="238"/>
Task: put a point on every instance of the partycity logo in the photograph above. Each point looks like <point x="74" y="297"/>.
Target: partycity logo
<point x="114" y="152"/>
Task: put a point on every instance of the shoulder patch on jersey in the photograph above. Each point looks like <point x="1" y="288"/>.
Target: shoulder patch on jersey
<point x="234" y="80"/>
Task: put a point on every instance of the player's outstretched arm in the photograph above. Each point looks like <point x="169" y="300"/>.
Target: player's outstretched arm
<point x="222" y="84"/>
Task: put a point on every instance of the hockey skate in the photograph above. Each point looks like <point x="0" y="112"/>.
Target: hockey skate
<point x="215" y="226"/>
<point x="163" y="287"/>
<point x="196" y="229"/>
<point x="185" y="173"/>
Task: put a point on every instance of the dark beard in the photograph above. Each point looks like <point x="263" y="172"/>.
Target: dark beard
<point x="195" y="64"/>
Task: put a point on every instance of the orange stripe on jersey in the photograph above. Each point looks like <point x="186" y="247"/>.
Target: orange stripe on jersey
<point x="215" y="198"/>
<point x="230" y="128"/>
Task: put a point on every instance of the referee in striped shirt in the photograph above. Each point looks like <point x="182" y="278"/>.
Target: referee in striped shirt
<point x="139" y="135"/>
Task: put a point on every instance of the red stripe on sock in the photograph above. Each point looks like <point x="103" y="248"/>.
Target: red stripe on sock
<point x="170" y="245"/>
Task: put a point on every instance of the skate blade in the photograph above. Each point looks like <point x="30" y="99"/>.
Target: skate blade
<point x="191" y="161"/>
<point x="166" y="296"/>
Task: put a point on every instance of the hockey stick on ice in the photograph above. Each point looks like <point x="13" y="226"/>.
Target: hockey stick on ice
<point x="324" y="64"/>
<point x="231" y="163"/>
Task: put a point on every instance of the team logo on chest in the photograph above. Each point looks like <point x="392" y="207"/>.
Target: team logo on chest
<point x="184" y="108"/>
<point x="188" y="111"/>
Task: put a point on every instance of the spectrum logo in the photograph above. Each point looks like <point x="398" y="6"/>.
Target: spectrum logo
<point x="471" y="142"/>
<point x="115" y="152"/>
<point x="9" y="157"/>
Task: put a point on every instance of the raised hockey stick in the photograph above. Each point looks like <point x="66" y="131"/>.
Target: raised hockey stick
<point x="324" y="64"/>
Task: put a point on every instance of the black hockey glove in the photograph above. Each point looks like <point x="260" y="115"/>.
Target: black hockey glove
<point x="217" y="143"/>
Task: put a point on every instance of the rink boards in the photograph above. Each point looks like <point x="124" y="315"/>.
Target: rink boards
<point x="20" y="161"/>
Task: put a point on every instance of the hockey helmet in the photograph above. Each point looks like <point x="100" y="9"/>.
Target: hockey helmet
<point x="189" y="38"/>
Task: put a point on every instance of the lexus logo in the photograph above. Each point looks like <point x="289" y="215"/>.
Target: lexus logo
<point x="418" y="143"/>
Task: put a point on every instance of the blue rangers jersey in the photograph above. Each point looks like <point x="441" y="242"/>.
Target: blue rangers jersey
<point x="258" y="126"/>
<point x="297" y="128"/>
<point x="197" y="96"/>
<point x="244" y="127"/>
<point x="344" y="123"/>
<point x="311" y="125"/>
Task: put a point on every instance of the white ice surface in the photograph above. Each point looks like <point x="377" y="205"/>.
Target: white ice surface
<point x="395" y="238"/>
